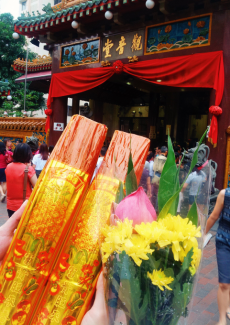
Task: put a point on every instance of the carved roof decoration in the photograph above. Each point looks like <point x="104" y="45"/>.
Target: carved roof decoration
<point x="40" y="63"/>
<point x="23" y="124"/>
<point x="4" y="88"/>
<point x="63" y="13"/>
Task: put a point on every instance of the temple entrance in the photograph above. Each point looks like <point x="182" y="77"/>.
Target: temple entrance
<point x="130" y="104"/>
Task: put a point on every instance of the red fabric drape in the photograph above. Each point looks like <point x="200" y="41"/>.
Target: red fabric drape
<point x="48" y="112"/>
<point x="205" y="70"/>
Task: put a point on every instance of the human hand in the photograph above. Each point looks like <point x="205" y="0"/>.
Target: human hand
<point x="8" y="229"/>
<point x="97" y="315"/>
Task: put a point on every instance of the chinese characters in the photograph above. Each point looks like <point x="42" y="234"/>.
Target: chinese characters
<point x="121" y="46"/>
<point x="107" y="48"/>
<point x="136" y="43"/>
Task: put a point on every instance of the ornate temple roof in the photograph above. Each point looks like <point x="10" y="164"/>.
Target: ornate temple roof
<point x="22" y="124"/>
<point x="62" y="13"/>
<point x="40" y="63"/>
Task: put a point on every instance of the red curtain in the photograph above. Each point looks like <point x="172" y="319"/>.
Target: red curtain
<point x="205" y="70"/>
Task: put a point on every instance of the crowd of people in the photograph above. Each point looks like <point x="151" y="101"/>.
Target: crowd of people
<point x="19" y="171"/>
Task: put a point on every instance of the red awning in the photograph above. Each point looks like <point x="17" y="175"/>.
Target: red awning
<point x="43" y="75"/>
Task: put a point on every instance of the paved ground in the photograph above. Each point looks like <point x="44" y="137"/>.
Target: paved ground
<point x="3" y="213"/>
<point x="205" y="309"/>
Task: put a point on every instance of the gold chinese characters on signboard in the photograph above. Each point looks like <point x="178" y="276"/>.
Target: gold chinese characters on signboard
<point x="107" y="48"/>
<point x="123" y="46"/>
<point x="136" y="43"/>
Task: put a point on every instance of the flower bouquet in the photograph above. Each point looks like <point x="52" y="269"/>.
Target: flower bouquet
<point x="150" y="262"/>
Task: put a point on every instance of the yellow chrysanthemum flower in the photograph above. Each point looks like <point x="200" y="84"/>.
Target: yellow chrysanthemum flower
<point x="159" y="279"/>
<point x="173" y="231"/>
<point x="189" y="244"/>
<point x="138" y="249"/>
<point x="180" y="225"/>
<point x="116" y="237"/>
<point x="150" y="231"/>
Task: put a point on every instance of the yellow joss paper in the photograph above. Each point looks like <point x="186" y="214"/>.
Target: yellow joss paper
<point x="48" y="216"/>
<point x="70" y="289"/>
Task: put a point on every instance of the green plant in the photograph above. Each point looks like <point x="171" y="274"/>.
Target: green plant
<point x="10" y="50"/>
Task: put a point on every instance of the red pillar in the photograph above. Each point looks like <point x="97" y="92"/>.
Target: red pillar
<point x="59" y="115"/>
<point x="218" y="154"/>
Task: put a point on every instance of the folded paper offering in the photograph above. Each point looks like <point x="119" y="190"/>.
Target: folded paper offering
<point x="51" y="209"/>
<point x="71" y="285"/>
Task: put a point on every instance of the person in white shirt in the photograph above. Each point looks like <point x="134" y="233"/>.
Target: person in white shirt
<point x="194" y="181"/>
<point x="40" y="159"/>
<point x="99" y="161"/>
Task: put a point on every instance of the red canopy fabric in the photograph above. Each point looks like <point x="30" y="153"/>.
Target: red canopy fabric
<point x="205" y="70"/>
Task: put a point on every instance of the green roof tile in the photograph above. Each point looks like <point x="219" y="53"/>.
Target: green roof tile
<point x="49" y="15"/>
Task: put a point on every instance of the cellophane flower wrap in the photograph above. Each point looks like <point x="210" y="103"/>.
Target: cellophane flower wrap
<point x="151" y="259"/>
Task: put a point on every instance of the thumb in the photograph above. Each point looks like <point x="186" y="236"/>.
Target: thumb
<point x="99" y="302"/>
<point x="11" y="224"/>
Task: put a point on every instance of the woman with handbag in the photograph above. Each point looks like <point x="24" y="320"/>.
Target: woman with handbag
<point x="20" y="178"/>
<point x="5" y="157"/>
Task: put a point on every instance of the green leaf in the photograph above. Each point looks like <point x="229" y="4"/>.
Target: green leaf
<point x="27" y="233"/>
<point x="169" y="203"/>
<point x="43" y="242"/>
<point x="77" y="304"/>
<point x="154" y="264"/>
<point x="131" y="180"/>
<point x="34" y="245"/>
<point x="120" y="193"/>
<point x="192" y="214"/>
<point x="77" y="257"/>
<point x="169" y="181"/>
<point x="130" y="293"/>
<point x="180" y="301"/>
<point x="169" y="272"/>
<point x="185" y="265"/>
<point x="86" y="254"/>
<point x="32" y="289"/>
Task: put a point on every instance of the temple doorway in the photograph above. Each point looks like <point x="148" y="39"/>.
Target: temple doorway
<point x="130" y="104"/>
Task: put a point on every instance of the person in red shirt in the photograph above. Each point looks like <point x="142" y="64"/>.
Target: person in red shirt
<point x="4" y="154"/>
<point x="15" y="172"/>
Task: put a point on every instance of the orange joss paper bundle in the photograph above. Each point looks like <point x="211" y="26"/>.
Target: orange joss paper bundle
<point x="70" y="288"/>
<point x="48" y="216"/>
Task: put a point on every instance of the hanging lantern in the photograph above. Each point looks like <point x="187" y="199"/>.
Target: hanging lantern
<point x="74" y="24"/>
<point x="9" y="97"/>
<point x="108" y="15"/>
<point x="15" y="35"/>
<point x="150" y="4"/>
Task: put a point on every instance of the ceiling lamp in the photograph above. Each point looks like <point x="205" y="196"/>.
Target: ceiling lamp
<point x="9" y="97"/>
<point x="108" y="15"/>
<point x="74" y="24"/>
<point x="15" y="35"/>
<point x="150" y="4"/>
